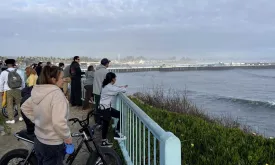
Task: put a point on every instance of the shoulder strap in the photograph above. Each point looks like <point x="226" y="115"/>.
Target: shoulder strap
<point x="11" y="71"/>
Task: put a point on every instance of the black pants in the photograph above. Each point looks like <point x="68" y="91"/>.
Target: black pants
<point x="49" y="154"/>
<point x="88" y="95"/>
<point x="107" y="116"/>
<point x="76" y="92"/>
<point x="29" y="124"/>
<point x="97" y="100"/>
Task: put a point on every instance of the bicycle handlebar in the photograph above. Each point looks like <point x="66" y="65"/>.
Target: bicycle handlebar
<point x="84" y="122"/>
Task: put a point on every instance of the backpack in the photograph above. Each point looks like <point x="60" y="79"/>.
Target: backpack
<point x="14" y="79"/>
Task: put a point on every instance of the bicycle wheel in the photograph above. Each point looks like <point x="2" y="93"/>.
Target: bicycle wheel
<point x="21" y="154"/>
<point x="110" y="156"/>
<point x="5" y="113"/>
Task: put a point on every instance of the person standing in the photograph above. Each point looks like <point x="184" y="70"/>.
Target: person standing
<point x="61" y="65"/>
<point x="38" y="68"/>
<point x="12" y="83"/>
<point x="31" y="77"/>
<point x="48" y="108"/>
<point x="48" y="63"/>
<point x="76" y="75"/>
<point x="100" y="75"/>
<point x="67" y="81"/>
<point x="88" y="85"/>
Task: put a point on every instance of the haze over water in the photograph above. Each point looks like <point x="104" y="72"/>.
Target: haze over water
<point x="246" y="95"/>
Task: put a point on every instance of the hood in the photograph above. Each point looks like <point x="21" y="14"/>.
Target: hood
<point x="39" y="92"/>
<point x="89" y="73"/>
<point x="100" y="67"/>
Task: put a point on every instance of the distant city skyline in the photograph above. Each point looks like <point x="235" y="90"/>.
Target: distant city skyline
<point x="208" y="29"/>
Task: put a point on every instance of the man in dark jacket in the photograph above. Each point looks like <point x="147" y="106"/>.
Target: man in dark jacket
<point x="76" y="75"/>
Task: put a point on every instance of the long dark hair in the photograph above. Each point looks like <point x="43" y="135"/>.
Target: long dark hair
<point x="49" y="72"/>
<point x="108" y="79"/>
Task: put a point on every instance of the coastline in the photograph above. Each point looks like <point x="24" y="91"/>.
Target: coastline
<point x="188" y="68"/>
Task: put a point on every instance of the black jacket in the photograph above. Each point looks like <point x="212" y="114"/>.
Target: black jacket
<point x="38" y="70"/>
<point x="75" y="70"/>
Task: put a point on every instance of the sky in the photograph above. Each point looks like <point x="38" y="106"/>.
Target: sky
<point x="214" y="29"/>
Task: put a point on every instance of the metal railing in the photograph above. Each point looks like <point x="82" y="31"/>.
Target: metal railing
<point x="146" y="142"/>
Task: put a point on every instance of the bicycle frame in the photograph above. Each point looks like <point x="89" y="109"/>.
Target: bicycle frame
<point x="71" y="157"/>
<point x="26" y="142"/>
<point x="85" y="140"/>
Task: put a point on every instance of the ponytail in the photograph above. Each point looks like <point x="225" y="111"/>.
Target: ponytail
<point x="49" y="72"/>
<point x="108" y="79"/>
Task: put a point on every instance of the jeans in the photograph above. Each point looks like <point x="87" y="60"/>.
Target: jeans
<point x="49" y="154"/>
<point x="107" y="115"/>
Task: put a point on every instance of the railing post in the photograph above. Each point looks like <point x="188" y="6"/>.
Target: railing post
<point x="170" y="150"/>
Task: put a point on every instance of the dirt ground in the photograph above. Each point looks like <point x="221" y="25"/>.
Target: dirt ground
<point x="9" y="142"/>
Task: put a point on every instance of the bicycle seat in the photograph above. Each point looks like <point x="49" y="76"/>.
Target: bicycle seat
<point x="26" y="135"/>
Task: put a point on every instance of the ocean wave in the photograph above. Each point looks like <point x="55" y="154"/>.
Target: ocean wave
<point x="267" y="104"/>
<point x="256" y="75"/>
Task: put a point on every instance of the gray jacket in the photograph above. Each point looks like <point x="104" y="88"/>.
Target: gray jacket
<point x="100" y="75"/>
<point x="89" y="78"/>
<point x="67" y="71"/>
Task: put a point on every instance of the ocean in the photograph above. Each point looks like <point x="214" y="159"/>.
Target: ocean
<point x="246" y="95"/>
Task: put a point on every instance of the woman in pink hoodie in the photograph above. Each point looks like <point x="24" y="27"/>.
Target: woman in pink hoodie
<point x="48" y="108"/>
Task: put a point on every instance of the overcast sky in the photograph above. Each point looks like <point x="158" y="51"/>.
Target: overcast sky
<point x="227" y="29"/>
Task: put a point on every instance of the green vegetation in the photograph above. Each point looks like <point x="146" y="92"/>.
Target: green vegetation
<point x="206" y="139"/>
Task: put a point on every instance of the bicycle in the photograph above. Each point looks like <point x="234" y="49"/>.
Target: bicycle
<point x="99" y="156"/>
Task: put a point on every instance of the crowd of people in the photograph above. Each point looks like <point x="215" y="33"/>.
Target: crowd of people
<point x="45" y="97"/>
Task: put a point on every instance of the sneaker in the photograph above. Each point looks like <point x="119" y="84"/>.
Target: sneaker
<point x="20" y="119"/>
<point x="106" y="143"/>
<point x="10" y="121"/>
<point x="119" y="136"/>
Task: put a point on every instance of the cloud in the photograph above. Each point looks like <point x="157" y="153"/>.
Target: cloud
<point x="153" y="26"/>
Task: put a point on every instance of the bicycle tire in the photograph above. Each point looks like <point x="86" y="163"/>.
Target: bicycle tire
<point x="5" y="113"/>
<point x="94" y="158"/>
<point x="18" y="153"/>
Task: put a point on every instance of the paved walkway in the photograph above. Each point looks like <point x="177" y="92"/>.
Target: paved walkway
<point x="9" y="142"/>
